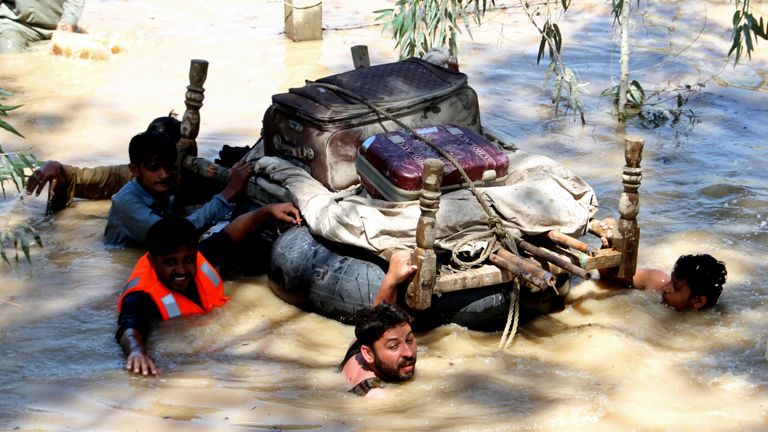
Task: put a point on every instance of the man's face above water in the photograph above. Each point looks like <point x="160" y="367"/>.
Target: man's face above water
<point x="394" y="354"/>
<point x="176" y="270"/>
<point x="156" y="176"/>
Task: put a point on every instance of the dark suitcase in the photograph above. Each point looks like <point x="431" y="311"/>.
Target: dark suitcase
<point x="321" y="130"/>
<point x="390" y="165"/>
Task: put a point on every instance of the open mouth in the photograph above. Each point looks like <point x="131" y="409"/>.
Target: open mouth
<point x="180" y="279"/>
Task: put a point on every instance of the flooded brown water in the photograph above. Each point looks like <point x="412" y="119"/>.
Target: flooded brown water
<point x="612" y="360"/>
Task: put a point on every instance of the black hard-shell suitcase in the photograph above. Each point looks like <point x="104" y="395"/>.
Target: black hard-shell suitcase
<point x="322" y="130"/>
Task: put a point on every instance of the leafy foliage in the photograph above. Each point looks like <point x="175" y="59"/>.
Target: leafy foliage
<point x="18" y="237"/>
<point x="13" y="169"/>
<point x="419" y="25"/>
<point x="616" y="7"/>
<point x="4" y="112"/>
<point x="660" y="107"/>
<point x="561" y="81"/>
<point x="746" y="30"/>
<point x="635" y="94"/>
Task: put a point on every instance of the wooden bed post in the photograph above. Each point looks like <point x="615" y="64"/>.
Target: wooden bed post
<point x="629" y="205"/>
<point x="190" y="122"/>
<point x="419" y="293"/>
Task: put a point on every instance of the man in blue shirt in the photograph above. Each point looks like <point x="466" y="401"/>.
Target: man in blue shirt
<point x="147" y="197"/>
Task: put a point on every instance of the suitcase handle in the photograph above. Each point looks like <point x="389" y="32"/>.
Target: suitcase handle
<point x="298" y="152"/>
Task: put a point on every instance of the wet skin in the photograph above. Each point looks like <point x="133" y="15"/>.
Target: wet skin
<point x="676" y="294"/>
<point x="393" y="355"/>
<point x="156" y="177"/>
<point x="176" y="270"/>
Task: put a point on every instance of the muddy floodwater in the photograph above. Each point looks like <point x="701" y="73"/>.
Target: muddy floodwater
<point x="612" y="360"/>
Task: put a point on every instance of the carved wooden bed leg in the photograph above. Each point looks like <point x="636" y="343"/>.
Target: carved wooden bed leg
<point x="419" y="293"/>
<point x="629" y="205"/>
<point x="190" y="122"/>
<point x="186" y="148"/>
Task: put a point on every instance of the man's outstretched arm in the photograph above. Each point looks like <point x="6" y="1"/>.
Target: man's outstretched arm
<point x="69" y="182"/>
<point x="138" y="359"/>
<point x="248" y="223"/>
<point x="644" y="278"/>
<point x="137" y="312"/>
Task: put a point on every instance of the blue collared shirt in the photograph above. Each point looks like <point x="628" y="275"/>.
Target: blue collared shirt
<point x="134" y="210"/>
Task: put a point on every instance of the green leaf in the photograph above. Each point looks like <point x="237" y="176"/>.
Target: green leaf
<point x="609" y="92"/>
<point x="38" y="238"/>
<point x="9" y="107"/>
<point x="25" y="246"/>
<point x="541" y="49"/>
<point x="736" y="18"/>
<point x="3" y="236"/>
<point x="748" y="40"/>
<point x="5" y="125"/>
<point x="635" y="93"/>
<point x="15" y="245"/>
<point x="736" y="41"/>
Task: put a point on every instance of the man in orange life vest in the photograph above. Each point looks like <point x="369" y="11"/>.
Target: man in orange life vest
<point x="174" y="278"/>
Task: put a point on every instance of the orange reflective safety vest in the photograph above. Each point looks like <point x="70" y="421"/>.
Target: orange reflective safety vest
<point x="172" y="304"/>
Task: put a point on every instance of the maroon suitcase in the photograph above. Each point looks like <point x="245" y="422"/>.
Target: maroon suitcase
<point x="390" y="165"/>
<point x="320" y="130"/>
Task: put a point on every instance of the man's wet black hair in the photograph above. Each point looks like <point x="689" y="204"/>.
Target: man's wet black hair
<point x="169" y="234"/>
<point x="372" y="323"/>
<point x="148" y="147"/>
<point x="168" y="126"/>
<point x="704" y="274"/>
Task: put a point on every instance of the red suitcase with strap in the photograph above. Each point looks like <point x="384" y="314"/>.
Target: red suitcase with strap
<point x="390" y="165"/>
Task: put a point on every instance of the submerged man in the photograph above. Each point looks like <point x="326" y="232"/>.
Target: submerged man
<point x="176" y="278"/>
<point x="385" y="349"/>
<point x="101" y="182"/>
<point x="25" y="21"/>
<point x="147" y="197"/>
<point x="696" y="281"/>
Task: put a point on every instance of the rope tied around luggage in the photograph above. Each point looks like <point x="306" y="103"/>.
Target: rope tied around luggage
<point x="496" y="232"/>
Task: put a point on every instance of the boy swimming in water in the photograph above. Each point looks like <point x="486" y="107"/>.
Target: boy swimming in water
<point x="696" y="281"/>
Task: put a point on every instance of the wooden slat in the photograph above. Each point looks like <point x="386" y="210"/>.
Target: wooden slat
<point x="605" y="258"/>
<point x="483" y="276"/>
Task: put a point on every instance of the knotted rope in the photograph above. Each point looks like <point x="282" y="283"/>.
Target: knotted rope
<point x="493" y="236"/>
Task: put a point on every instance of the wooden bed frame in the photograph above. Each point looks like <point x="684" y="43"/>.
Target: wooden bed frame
<point x="535" y="265"/>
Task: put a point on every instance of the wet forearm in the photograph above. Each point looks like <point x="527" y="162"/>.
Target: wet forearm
<point x="132" y="342"/>
<point x="246" y="224"/>
<point x="387" y="291"/>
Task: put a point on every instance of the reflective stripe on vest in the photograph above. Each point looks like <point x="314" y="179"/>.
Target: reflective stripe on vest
<point x="131" y="283"/>
<point x="171" y="307"/>
<point x="210" y="273"/>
